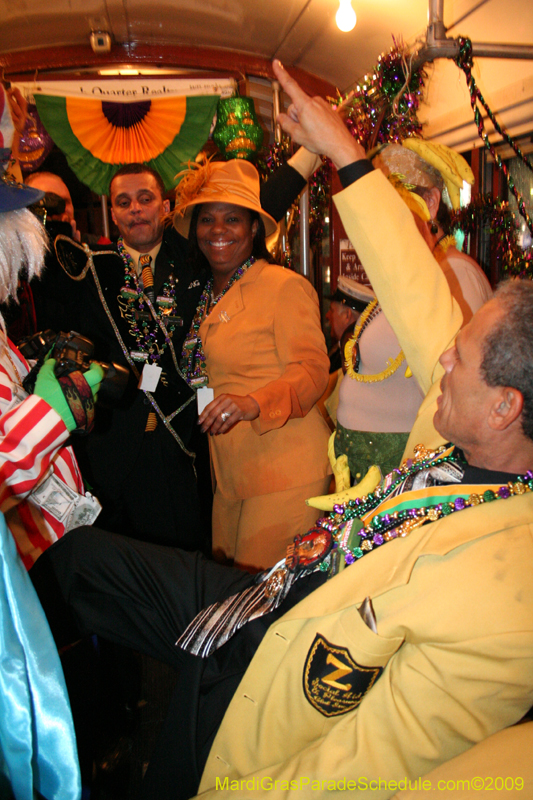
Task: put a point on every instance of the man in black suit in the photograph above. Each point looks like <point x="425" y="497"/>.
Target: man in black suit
<point x="139" y="463"/>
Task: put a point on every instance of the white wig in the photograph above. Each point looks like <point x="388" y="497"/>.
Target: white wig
<point x="23" y="244"/>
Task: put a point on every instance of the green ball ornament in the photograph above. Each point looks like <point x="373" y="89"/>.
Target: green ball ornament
<point x="237" y="132"/>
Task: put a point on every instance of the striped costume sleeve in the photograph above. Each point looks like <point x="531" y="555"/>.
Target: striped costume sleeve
<point x="31" y="433"/>
<point x="32" y="446"/>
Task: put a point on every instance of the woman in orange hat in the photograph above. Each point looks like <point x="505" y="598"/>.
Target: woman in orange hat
<point x="256" y="341"/>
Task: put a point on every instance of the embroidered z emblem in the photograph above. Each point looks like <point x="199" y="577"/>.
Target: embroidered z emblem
<point x="338" y="690"/>
<point x="340" y="672"/>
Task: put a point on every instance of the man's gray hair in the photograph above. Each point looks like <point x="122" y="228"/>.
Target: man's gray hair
<point x="508" y="349"/>
<point x="23" y="243"/>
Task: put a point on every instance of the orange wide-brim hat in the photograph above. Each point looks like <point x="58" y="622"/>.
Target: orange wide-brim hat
<point x="235" y="182"/>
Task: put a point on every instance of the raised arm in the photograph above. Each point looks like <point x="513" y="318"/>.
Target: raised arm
<point x="406" y="278"/>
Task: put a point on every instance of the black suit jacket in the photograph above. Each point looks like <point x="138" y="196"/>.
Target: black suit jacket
<point x="119" y="458"/>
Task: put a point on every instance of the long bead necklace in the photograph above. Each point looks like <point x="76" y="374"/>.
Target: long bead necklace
<point x="372" y="310"/>
<point x="146" y="324"/>
<point x="193" y="356"/>
<point x="353" y="539"/>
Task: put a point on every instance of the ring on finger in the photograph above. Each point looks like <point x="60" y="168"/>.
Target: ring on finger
<point x="225" y="415"/>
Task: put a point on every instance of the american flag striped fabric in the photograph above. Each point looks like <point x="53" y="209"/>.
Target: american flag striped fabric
<point x="32" y="448"/>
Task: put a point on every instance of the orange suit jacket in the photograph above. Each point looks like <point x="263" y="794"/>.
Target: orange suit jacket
<point x="264" y="338"/>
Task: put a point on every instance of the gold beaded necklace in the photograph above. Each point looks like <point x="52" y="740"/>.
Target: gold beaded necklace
<point x="372" y="310"/>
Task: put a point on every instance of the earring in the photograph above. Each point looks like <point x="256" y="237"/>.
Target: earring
<point x="434" y="228"/>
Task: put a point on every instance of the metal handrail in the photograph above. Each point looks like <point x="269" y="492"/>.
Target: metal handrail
<point x="438" y="45"/>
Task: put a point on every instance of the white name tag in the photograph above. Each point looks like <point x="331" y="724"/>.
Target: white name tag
<point x="150" y="377"/>
<point x="204" y="396"/>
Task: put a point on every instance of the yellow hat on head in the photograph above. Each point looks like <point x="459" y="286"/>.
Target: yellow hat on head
<point x="451" y="166"/>
<point x="235" y="182"/>
<point x="417" y="163"/>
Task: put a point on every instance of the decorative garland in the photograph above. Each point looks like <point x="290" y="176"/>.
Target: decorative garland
<point x="383" y="106"/>
<point x="497" y="216"/>
<point x="319" y="195"/>
<point x="464" y="62"/>
<point x="270" y="158"/>
<point x="273" y="157"/>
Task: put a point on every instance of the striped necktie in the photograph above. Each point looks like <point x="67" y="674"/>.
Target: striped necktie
<point x="145" y="267"/>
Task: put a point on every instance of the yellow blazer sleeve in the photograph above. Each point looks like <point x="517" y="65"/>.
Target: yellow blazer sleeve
<point x="444" y="689"/>
<point x="503" y="761"/>
<point x="301" y="348"/>
<point x="405" y="276"/>
<point x="398" y="732"/>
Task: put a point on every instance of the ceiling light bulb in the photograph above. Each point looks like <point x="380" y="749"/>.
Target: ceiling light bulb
<point x="345" y="17"/>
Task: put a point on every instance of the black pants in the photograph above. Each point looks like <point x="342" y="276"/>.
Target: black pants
<point x="146" y="484"/>
<point x="143" y="596"/>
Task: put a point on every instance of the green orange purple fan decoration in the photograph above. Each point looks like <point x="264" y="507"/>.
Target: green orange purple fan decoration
<point x="99" y="136"/>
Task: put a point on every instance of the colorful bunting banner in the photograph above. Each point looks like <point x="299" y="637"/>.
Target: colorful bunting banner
<point x="101" y="126"/>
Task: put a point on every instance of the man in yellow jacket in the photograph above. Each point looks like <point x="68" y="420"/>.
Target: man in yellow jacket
<point x="400" y="662"/>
